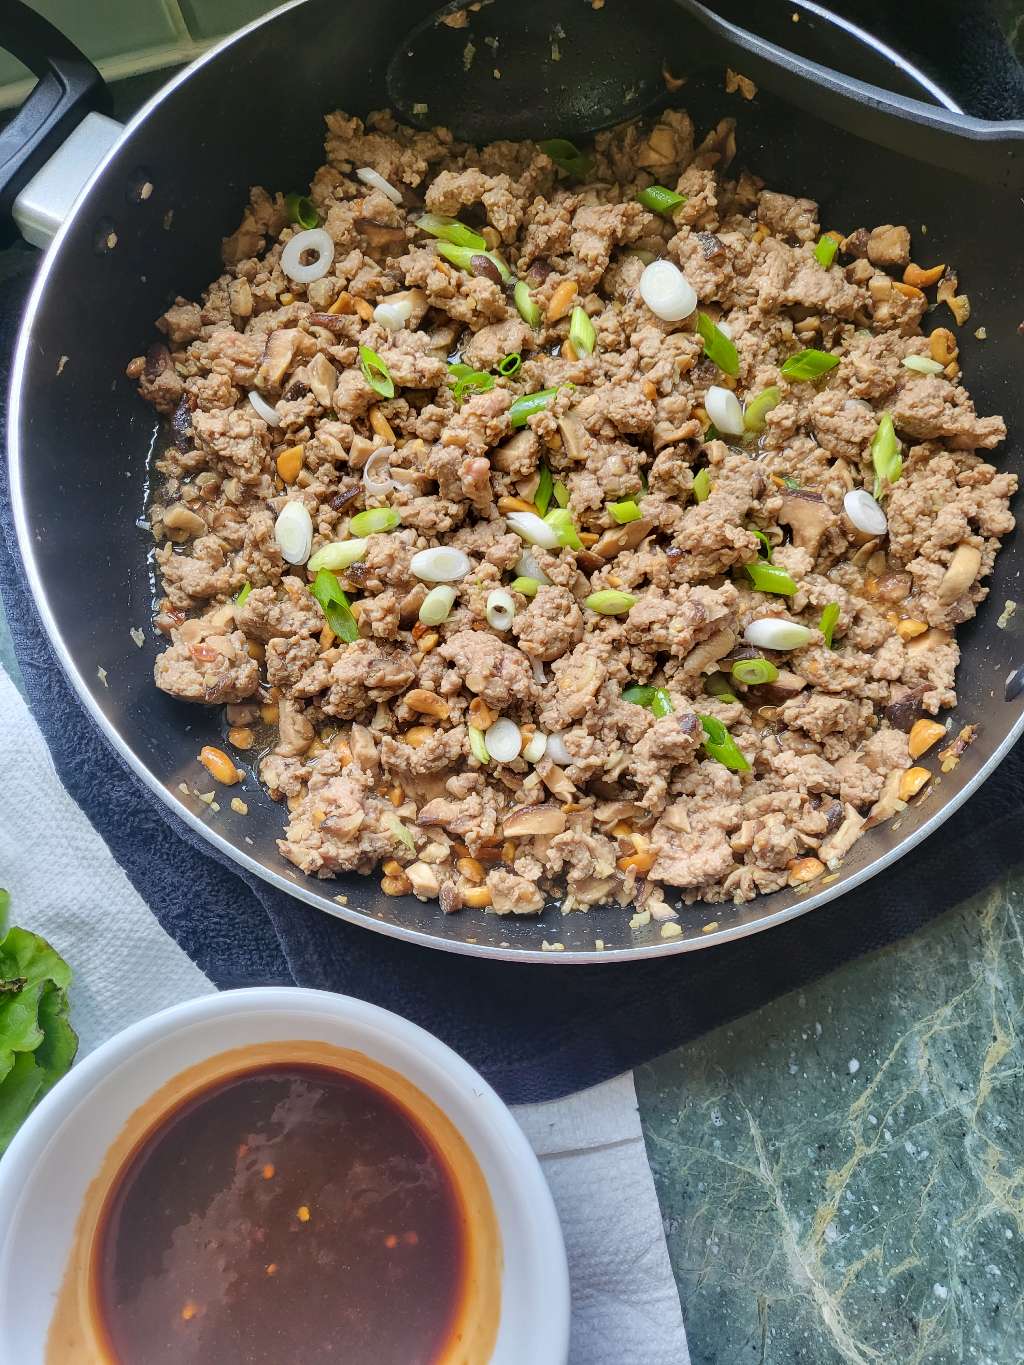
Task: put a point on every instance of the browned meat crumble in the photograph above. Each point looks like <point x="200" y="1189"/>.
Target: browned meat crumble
<point x="377" y="746"/>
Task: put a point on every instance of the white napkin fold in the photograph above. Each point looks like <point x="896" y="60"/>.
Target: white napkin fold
<point x="65" y="885"/>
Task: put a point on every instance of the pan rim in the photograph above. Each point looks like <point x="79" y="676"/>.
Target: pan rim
<point x="223" y="846"/>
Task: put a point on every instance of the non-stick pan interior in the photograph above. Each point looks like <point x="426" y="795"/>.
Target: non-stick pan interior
<point x="253" y="114"/>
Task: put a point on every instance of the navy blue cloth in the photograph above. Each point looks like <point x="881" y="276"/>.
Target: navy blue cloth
<point x="534" y="1032"/>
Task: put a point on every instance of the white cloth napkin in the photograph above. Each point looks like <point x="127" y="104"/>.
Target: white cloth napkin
<point x="65" y="884"/>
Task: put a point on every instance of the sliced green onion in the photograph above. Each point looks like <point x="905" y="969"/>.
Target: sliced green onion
<point x="376" y="373"/>
<point x="466" y="378"/>
<point x="328" y="593"/>
<point x="374" y="520"/>
<point x="581" y="332"/>
<point x="477" y="747"/>
<point x="717" y="685"/>
<point x="302" y="210"/>
<point x="770" y="578"/>
<point x="246" y="590"/>
<point x="662" y="703"/>
<point x="545" y="488"/>
<point x="500" y="609"/>
<point x="825" y="251"/>
<point x="624" y="512"/>
<point x="792" y="484"/>
<point x="754" y="671"/>
<point x="702" y="485"/>
<point x="639" y="696"/>
<point x="451" y="230"/>
<point x="528" y="404"/>
<point x="510" y="365"/>
<point x="885" y="455"/>
<point x="463" y="257"/>
<point x="829" y="621"/>
<point x="529" y="308"/>
<point x="654" y="699"/>
<point x="720" y="745"/>
<point x="436" y="606"/>
<point x="717" y="346"/>
<point x="567" y="156"/>
<point x="809" y="364"/>
<point x="609" y="602"/>
<point x="923" y="364"/>
<point x="661" y="200"/>
<point x="561" y="493"/>
<point x="401" y="832"/>
<point x="766" y="545"/>
<point x="337" y="555"/>
<point x="758" y="408"/>
<point x="527" y="586"/>
<point x="561" y="522"/>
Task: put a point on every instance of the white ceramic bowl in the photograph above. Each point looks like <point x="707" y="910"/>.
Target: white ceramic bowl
<point x="48" y="1167"/>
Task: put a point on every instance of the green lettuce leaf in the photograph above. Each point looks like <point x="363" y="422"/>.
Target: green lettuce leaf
<point x="37" y="1042"/>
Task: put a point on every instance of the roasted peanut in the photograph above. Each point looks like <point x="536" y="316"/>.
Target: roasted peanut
<point x="561" y="300"/>
<point x="912" y="781"/>
<point x="396" y="886"/>
<point x="804" y="870"/>
<point x="921" y="278"/>
<point x="381" y="426"/>
<point x="942" y="345"/>
<point x="219" y="766"/>
<point x="241" y="737"/>
<point x="428" y="642"/>
<point x="427" y="703"/>
<point x="923" y="734"/>
<point x="638" y="862"/>
<point x="476" y="896"/>
<point x="910" y="629"/>
<point x="289" y="462"/>
<point x="481" y="715"/>
<point x="418" y="735"/>
<point x="508" y="504"/>
<point x="472" y="869"/>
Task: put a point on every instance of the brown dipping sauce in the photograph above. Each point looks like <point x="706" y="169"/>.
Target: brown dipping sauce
<point x="286" y="1213"/>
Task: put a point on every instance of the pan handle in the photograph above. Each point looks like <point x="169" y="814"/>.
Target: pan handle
<point x="68" y="87"/>
<point x="991" y="152"/>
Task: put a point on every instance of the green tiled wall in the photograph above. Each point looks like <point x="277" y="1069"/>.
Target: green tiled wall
<point x="210" y="18"/>
<point x="126" y="36"/>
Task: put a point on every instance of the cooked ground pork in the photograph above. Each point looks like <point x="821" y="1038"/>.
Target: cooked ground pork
<point x="495" y="762"/>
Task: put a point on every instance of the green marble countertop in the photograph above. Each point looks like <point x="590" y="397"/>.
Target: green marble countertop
<point x="841" y="1173"/>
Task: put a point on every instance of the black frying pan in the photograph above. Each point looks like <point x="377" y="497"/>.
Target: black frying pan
<point x="251" y="112"/>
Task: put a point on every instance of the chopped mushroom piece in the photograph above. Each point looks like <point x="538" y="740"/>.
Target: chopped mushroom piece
<point x="530" y="820"/>
<point x="808" y="516"/>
